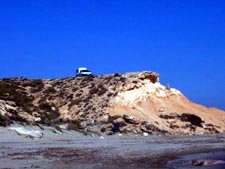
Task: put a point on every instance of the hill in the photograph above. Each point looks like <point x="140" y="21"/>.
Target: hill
<point x="136" y="101"/>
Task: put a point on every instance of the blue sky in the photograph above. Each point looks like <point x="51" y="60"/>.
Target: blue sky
<point x="182" y="40"/>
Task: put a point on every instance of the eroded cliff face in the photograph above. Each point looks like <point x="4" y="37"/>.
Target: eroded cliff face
<point x="137" y="101"/>
<point x="167" y="109"/>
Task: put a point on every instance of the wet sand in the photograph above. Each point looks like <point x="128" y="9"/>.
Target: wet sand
<point x="74" y="150"/>
<point x="207" y="160"/>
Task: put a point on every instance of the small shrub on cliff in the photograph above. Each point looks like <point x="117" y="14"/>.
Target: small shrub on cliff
<point x="74" y="89"/>
<point x="88" y="107"/>
<point x="87" y="99"/>
<point x="57" y="84"/>
<point x="75" y="102"/>
<point x="4" y="121"/>
<point x="70" y="97"/>
<point x="49" y="113"/>
<point x="117" y="75"/>
<point x="50" y="90"/>
<point x="101" y="91"/>
<point x="109" y="94"/>
<point x="94" y="90"/>
<point x="78" y="94"/>
<point x="122" y="79"/>
<point x="37" y="85"/>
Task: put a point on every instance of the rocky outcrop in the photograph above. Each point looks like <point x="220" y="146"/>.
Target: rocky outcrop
<point x="152" y="76"/>
<point x="137" y="101"/>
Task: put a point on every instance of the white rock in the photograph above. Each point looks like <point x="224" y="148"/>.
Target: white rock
<point x="80" y="113"/>
<point x="101" y="137"/>
<point x="53" y="108"/>
<point x="37" y="119"/>
<point x="145" y="134"/>
<point x="64" y="126"/>
<point x="27" y="132"/>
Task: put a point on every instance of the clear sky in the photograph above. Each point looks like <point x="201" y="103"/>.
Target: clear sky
<point x="183" y="40"/>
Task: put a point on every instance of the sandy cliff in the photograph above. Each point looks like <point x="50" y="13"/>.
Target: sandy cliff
<point x="137" y="101"/>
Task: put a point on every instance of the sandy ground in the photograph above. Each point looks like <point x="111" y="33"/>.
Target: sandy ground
<point x="74" y="150"/>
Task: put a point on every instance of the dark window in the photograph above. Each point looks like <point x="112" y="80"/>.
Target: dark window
<point x="84" y="71"/>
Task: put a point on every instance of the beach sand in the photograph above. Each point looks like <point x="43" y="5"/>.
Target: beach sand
<point x="74" y="150"/>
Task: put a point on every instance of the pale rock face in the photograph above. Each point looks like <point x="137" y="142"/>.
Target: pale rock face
<point x="144" y="92"/>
